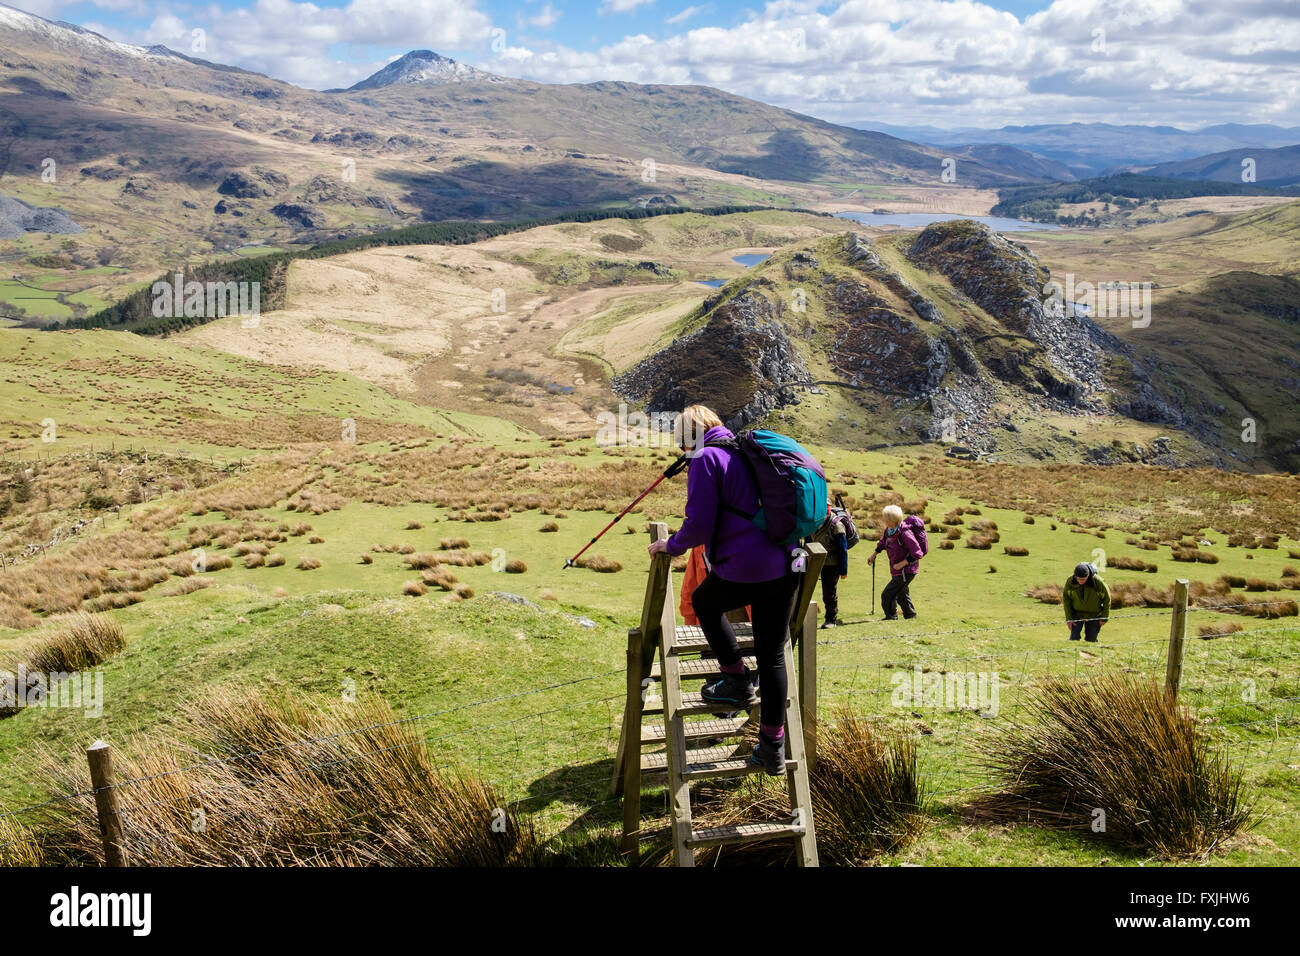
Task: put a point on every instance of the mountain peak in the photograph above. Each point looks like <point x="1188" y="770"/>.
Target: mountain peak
<point x="425" y="66"/>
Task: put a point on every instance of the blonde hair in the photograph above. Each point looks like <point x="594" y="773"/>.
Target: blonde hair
<point x="692" y="424"/>
<point x="893" y="514"/>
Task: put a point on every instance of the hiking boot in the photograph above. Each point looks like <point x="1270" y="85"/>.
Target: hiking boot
<point x="737" y="690"/>
<point x="770" y="755"/>
<point x="831" y="622"/>
<point x="890" y="618"/>
<point x="908" y="617"/>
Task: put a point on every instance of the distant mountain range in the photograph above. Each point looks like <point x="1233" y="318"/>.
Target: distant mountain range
<point x="1091" y="149"/>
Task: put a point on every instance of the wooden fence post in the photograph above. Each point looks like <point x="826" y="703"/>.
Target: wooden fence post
<point x="100" y="756"/>
<point x="808" y="684"/>
<point x="1177" y="632"/>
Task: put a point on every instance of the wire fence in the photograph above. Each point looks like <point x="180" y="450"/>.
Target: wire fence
<point x="555" y="762"/>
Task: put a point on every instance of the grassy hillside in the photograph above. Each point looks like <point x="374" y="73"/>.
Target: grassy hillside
<point x="529" y="696"/>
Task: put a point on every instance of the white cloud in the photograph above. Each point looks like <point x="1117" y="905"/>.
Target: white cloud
<point x="546" y="19"/>
<point x="621" y="6"/>
<point x="686" y="14"/>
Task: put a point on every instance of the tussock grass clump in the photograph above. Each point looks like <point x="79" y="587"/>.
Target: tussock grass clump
<point x="187" y="586"/>
<point x="1130" y="564"/>
<point x="299" y="530"/>
<point x="255" y="561"/>
<point x="953" y="518"/>
<point x="87" y="640"/>
<point x="599" y="562"/>
<point x="453" y="544"/>
<point x="217" y="563"/>
<point x="414" y="525"/>
<point x="549" y="527"/>
<point x="414" y="588"/>
<point x="1028" y="519"/>
<point x="515" y="566"/>
<point x="980" y="542"/>
<point x="464" y="592"/>
<point x="425" y="559"/>
<point x="18" y="846"/>
<point x="1233" y="580"/>
<point x="275" y="560"/>
<point x="1218" y="629"/>
<point x="251" y="547"/>
<point x="984" y="524"/>
<point x="367" y="559"/>
<point x="946" y="546"/>
<point x="915" y="506"/>
<point x="308" y="563"/>
<point x="1256" y="585"/>
<point x="1145" y="765"/>
<point x="867" y="800"/>
<point x="315" y="539"/>
<point x="112" y="602"/>
<point x="1016" y="550"/>
<point x="285" y="783"/>
<point x="953" y="534"/>
<point x="1046" y="593"/>
<point x="465" y="559"/>
<point x="439" y="578"/>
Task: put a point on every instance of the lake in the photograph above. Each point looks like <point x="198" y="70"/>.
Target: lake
<point x="996" y="223"/>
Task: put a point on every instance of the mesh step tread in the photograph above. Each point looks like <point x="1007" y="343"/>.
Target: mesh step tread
<point x="744" y="833"/>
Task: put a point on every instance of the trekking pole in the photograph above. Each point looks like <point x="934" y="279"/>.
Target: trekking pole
<point x="873" y="587"/>
<point x="673" y="469"/>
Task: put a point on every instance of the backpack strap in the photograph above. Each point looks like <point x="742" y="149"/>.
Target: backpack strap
<point x="733" y="446"/>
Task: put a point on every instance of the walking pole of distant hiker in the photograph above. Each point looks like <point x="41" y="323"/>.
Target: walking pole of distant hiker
<point x="673" y="469"/>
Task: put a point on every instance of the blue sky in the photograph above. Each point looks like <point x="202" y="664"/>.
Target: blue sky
<point x="945" y="63"/>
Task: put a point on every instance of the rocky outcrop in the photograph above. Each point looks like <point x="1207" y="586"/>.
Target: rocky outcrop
<point x="876" y="345"/>
<point x="1008" y="282"/>
<point x="299" y="215"/>
<point x="257" y="183"/>
<point x="736" y="363"/>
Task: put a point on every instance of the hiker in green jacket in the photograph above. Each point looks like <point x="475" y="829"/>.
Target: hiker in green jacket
<point x="1087" y="603"/>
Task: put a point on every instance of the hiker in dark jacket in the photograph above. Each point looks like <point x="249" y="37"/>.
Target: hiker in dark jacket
<point x="1087" y="603"/>
<point x="904" y="553"/>
<point x="745" y="569"/>
<point x="833" y="537"/>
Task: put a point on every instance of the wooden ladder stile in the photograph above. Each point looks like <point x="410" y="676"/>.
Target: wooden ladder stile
<point x="699" y="743"/>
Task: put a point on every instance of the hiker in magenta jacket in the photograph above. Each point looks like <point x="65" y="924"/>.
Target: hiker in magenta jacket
<point x="904" y="553"/>
<point x="745" y="568"/>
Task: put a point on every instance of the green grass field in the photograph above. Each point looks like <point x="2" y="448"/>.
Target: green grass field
<point x="531" y="699"/>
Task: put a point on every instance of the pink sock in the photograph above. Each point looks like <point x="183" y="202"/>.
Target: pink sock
<point x="737" y="669"/>
<point x="772" y="733"/>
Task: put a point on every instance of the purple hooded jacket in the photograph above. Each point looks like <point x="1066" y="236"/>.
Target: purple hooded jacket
<point x="744" y="552"/>
<point x="899" y="544"/>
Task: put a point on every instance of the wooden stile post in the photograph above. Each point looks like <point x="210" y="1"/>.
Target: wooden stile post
<point x="1177" y="633"/>
<point x="808" y="684"/>
<point x="100" y="756"/>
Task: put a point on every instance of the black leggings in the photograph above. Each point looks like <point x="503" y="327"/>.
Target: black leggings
<point x="772" y="603"/>
<point x="896" y="594"/>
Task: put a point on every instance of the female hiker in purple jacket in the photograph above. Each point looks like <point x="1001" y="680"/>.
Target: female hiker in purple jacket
<point x="904" y="553"/>
<point x="745" y="568"/>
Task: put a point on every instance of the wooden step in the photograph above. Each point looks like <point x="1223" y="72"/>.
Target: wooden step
<point x="691" y="704"/>
<point x="709" y="763"/>
<point x="697" y="729"/>
<point x="744" y="833"/>
<point x="690" y="639"/>
<point x="701" y="667"/>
